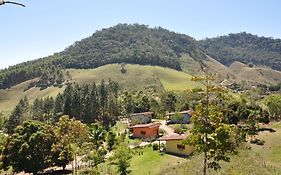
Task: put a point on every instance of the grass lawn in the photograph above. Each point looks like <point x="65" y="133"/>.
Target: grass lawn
<point x="152" y="162"/>
<point x="271" y="150"/>
<point x="258" y="160"/>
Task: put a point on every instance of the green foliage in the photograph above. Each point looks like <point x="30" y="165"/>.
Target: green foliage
<point x="136" y="44"/>
<point x="179" y="117"/>
<point x="211" y="133"/>
<point x="71" y="131"/>
<point x="62" y="154"/>
<point x="111" y="140"/>
<point x="273" y="104"/>
<point x="97" y="134"/>
<point x="29" y="148"/>
<point x="180" y="129"/>
<point x="155" y="146"/>
<point x="169" y="101"/>
<point x="94" y="157"/>
<point x="136" y="102"/>
<point x="27" y="71"/>
<point x="122" y="155"/>
<point x="246" y="48"/>
<point x="70" y="134"/>
<point x="19" y="114"/>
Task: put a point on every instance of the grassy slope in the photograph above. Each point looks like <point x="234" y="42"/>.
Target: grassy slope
<point x="137" y="77"/>
<point x="255" y="74"/>
<point x="259" y="160"/>
<point x="152" y="162"/>
<point x="10" y="97"/>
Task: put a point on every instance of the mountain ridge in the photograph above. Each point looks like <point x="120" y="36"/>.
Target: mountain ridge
<point x="139" y="44"/>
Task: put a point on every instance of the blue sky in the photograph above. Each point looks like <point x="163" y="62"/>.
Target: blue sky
<point x="45" y="27"/>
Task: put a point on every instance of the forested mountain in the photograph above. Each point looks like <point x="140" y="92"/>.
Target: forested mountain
<point x="131" y="44"/>
<point x="245" y="48"/>
<point x="139" y="44"/>
<point x="136" y="44"/>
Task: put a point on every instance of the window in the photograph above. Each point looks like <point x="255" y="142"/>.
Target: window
<point x="143" y="132"/>
<point x="180" y="146"/>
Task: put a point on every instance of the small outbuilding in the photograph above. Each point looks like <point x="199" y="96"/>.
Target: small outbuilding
<point x="140" y="118"/>
<point x="150" y="130"/>
<point x="174" y="145"/>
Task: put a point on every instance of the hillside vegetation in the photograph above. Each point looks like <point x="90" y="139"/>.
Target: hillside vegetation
<point x="245" y="48"/>
<point x="135" y="44"/>
<point x="139" y="44"/>
<point x="136" y="77"/>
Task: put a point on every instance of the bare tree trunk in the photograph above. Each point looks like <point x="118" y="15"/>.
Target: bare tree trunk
<point x="205" y="164"/>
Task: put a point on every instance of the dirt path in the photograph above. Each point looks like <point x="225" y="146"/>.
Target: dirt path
<point x="166" y="128"/>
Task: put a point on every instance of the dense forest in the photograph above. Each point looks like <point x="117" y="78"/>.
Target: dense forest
<point x="245" y="48"/>
<point x="139" y="44"/>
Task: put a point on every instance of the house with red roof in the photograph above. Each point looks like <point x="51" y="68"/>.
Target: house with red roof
<point x="150" y="130"/>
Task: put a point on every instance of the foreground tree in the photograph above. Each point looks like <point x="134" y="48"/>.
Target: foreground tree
<point x="111" y="140"/>
<point x="123" y="156"/>
<point x="211" y="133"/>
<point x="71" y="135"/>
<point x="273" y="104"/>
<point x="29" y="148"/>
<point x="97" y="134"/>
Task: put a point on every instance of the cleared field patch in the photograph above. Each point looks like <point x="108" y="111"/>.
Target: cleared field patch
<point x="136" y="77"/>
<point x="152" y="162"/>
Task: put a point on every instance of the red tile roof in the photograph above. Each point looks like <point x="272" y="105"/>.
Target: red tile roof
<point x="173" y="136"/>
<point x="149" y="125"/>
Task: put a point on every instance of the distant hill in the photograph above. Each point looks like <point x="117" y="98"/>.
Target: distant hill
<point x="139" y="44"/>
<point x="245" y="48"/>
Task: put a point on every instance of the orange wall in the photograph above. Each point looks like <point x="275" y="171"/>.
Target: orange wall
<point x="149" y="132"/>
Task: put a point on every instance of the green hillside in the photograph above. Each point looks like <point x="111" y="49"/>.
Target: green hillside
<point x="245" y="48"/>
<point x="135" y="44"/>
<point x="139" y="44"/>
<point x="137" y="77"/>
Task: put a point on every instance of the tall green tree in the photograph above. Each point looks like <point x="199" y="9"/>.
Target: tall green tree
<point x="95" y="105"/>
<point x="122" y="155"/>
<point x="211" y="134"/>
<point x="18" y="115"/>
<point x="97" y="134"/>
<point x="273" y="104"/>
<point x="169" y="101"/>
<point x="71" y="135"/>
<point x="68" y="93"/>
<point x="111" y="140"/>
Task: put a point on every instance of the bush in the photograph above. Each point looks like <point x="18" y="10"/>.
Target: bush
<point x="155" y="146"/>
<point x="162" y="132"/>
<point x="89" y="172"/>
<point x="180" y="129"/>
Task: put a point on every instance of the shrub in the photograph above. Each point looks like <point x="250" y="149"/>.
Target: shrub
<point x="155" y="146"/>
<point x="180" y="129"/>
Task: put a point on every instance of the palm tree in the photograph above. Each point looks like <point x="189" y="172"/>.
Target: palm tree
<point x="2" y="2"/>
